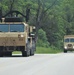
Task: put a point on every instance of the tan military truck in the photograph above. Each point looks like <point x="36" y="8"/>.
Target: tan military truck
<point x="16" y="36"/>
<point x="68" y="43"/>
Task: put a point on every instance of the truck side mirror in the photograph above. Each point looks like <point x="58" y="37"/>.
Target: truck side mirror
<point x="32" y="34"/>
<point x="34" y="29"/>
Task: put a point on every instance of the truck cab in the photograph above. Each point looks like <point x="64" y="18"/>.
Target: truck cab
<point x="68" y="43"/>
<point x="16" y="35"/>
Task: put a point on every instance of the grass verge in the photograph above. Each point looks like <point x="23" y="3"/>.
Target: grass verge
<point x="43" y="50"/>
<point x="49" y="50"/>
<point x="16" y="52"/>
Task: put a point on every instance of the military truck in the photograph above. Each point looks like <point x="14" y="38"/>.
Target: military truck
<point x="68" y="43"/>
<point x="16" y="35"/>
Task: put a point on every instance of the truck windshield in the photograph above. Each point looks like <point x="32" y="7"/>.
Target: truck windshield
<point x="66" y="40"/>
<point x="11" y="28"/>
<point x="4" y="27"/>
<point x="16" y="28"/>
<point x="72" y="40"/>
<point x="69" y="40"/>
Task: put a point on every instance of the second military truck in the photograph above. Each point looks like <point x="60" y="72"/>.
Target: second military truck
<point x="68" y="43"/>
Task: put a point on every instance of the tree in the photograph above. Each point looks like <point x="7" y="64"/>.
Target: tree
<point x="55" y="17"/>
<point x="41" y="11"/>
<point x="67" y="8"/>
<point x="42" y="39"/>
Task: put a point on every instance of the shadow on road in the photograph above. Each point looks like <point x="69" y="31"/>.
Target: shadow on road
<point x="14" y="55"/>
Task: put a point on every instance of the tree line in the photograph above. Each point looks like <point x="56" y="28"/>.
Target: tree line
<point x="55" y="17"/>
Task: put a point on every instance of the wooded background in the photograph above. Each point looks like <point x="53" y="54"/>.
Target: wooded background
<point x="53" y="18"/>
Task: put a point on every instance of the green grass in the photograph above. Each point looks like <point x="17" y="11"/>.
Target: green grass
<point x="42" y="50"/>
<point x="47" y="50"/>
<point x="16" y="52"/>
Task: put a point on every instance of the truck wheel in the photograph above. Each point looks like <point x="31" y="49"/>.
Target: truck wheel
<point x="32" y="52"/>
<point x="7" y="53"/>
<point x="1" y="54"/>
<point x="65" y="51"/>
<point x="27" y="52"/>
<point x="33" y="49"/>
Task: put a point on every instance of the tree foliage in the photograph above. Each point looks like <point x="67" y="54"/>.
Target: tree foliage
<point x="42" y="39"/>
<point x="55" y="17"/>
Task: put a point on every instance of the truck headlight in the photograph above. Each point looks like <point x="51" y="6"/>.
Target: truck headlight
<point x="20" y="35"/>
<point x="73" y="47"/>
<point x="65" y="47"/>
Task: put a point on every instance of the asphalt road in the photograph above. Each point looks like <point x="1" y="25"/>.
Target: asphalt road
<point x="40" y="64"/>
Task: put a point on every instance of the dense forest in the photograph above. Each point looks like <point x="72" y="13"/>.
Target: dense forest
<point x="52" y="18"/>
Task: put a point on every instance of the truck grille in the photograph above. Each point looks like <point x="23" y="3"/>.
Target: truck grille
<point x="69" y="45"/>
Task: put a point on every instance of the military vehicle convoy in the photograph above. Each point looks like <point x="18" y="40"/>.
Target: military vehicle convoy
<point x="68" y="43"/>
<point x="16" y="35"/>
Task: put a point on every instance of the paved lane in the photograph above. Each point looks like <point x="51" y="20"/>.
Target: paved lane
<point x="40" y="64"/>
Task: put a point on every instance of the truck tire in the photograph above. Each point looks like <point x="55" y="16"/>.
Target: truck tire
<point x="32" y="52"/>
<point x="65" y="51"/>
<point x="7" y="54"/>
<point x="1" y="51"/>
<point x="1" y="54"/>
<point x="33" y="49"/>
<point x="27" y="52"/>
